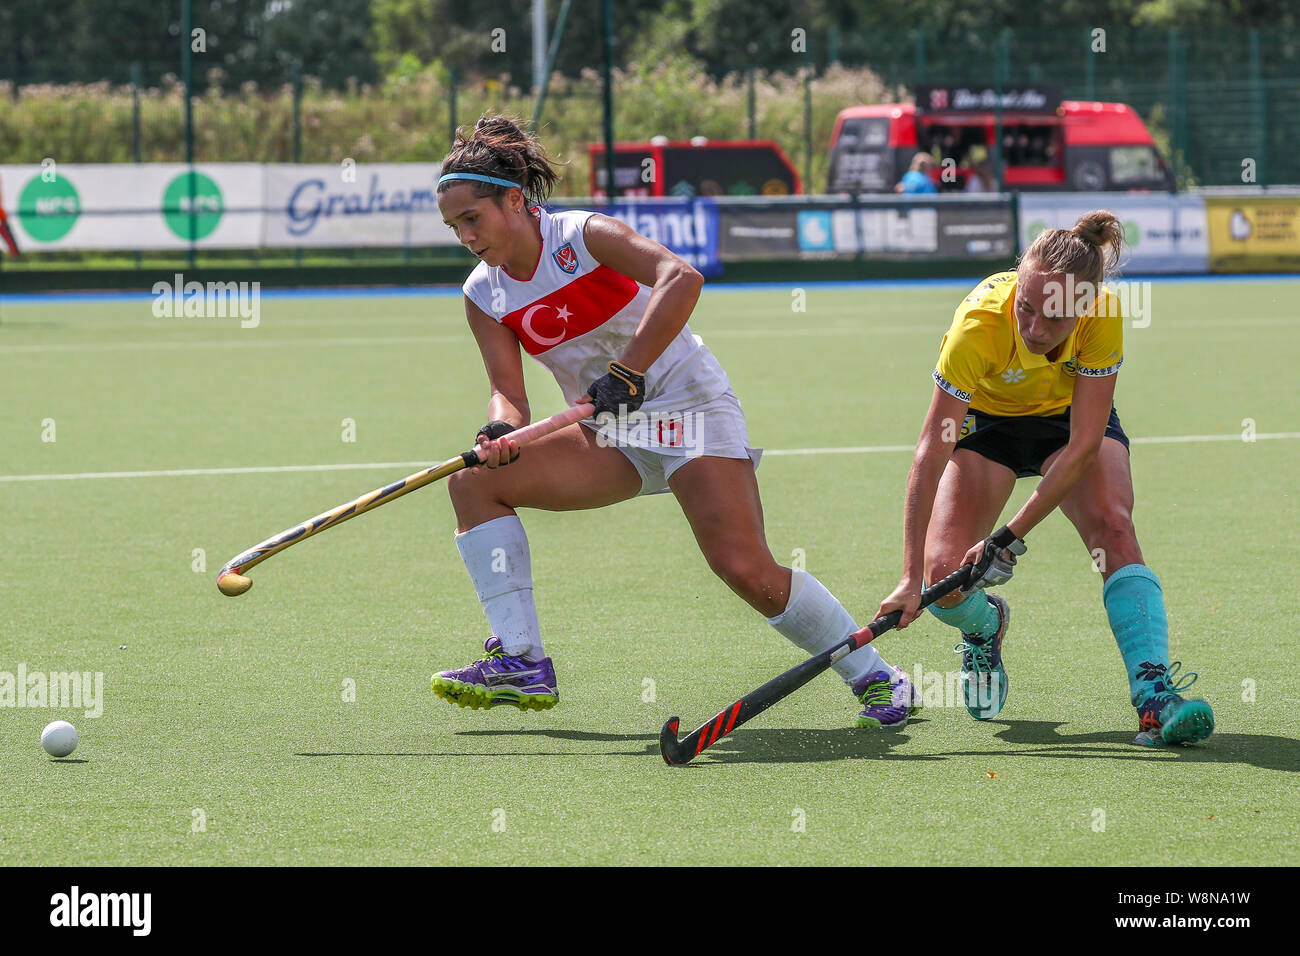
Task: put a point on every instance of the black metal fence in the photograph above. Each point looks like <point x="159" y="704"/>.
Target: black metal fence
<point x="1222" y="106"/>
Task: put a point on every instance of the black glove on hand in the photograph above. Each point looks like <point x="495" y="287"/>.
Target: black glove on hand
<point x="997" y="560"/>
<point x="494" y="430"/>
<point x="621" y="390"/>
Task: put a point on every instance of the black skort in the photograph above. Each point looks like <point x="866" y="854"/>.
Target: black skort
<point x="1023" y="442"/>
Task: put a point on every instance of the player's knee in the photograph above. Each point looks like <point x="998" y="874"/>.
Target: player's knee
<point x="1112" y="534"/>
<point x="940" y="563"/>
<point x="467" y="490"/>
<point x="459" y="486"/>
<point x="744" y="573"/>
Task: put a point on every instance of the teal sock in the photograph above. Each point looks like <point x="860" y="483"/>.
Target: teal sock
<point x="974" y="617"/>
<point x="1135" y="606"/>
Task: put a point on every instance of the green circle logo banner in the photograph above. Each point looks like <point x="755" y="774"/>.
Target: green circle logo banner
<point x="200" y="221"/>
<point x="48" y="209"/>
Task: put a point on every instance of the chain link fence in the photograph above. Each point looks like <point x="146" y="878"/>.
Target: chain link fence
<point x="1221" y="106"/>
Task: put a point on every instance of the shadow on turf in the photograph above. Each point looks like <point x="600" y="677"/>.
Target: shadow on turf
<point x="754" y="745"/>
<point x="466" y="753"/>
<point x="555" y="734"/>
<point x="1265" y="751"/>
<point x="767" y="745"/>
<point x="794" y="745"/>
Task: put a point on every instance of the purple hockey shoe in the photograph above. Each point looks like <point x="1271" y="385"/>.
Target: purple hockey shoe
<point x="888" y="699"/>
<point x="497" y="678"/>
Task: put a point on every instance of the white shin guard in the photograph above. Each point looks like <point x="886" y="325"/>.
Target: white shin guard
<point x="496" y="555"/>
<point x="815" y="621"/>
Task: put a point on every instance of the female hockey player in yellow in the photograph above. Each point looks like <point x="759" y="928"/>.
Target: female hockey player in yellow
<point x="1024" y="386"/>
<point x="605" y="310"/>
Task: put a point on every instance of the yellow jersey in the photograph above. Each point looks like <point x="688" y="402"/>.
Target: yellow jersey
<point x="984" y="362"/>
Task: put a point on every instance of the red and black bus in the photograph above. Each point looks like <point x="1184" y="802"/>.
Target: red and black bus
<point x="1047" y="143"/>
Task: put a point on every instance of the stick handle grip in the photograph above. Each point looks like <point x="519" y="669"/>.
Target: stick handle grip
<point x="887" y="622"/>
<point x="537" y="429"/>
<point x="553" y="424"/>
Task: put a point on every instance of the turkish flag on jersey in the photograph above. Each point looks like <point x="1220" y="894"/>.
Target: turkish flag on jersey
<point x="584" y="304"/>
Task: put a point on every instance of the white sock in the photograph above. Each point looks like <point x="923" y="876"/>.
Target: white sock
<point x="496" y="555"/>
<point x="815" y="621"/>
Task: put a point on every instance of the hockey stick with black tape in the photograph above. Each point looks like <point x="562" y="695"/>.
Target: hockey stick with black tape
<point x="676" y="752"/>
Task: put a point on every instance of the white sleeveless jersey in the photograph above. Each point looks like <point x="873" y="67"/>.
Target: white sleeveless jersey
<point x="575" y="316"/>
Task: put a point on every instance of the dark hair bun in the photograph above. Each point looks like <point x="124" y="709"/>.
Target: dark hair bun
<point x="498" y="126"/>
<point x="1090" y="251"/>
<point x="1104" y="231"/>
<point x="498" y="146"/>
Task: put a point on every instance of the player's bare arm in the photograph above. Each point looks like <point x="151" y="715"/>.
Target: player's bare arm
<point x="505" y="371"/>
<point x="933" y="450"/>
<point x="1088" y="414"/>
<point x="675" y="282"/>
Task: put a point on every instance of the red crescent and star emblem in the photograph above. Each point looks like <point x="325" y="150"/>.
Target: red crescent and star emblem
<point x="572" y="310"/>
<point x="546" y="341"/>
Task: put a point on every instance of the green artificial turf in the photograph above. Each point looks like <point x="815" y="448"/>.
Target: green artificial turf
<point x="225" y="737"/>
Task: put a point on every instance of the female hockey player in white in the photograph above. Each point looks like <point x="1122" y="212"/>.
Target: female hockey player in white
<point x="605" y="310"/>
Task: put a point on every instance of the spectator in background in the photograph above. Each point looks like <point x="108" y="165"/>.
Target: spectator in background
<point x="1023" y="155"/>
<point x="948" y="147"/>
<point x="979" y="178"/>
<point x="917" y="178"/>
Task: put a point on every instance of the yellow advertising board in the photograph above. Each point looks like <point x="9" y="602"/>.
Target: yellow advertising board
<point x="1253" y="234"/>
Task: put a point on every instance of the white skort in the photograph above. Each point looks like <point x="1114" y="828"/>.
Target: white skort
<point x="658" y="443"/>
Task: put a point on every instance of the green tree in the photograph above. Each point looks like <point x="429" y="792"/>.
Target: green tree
<point x="329" y="39"/>
<point x="246" y="40"/>
<point x="460" y="35"/>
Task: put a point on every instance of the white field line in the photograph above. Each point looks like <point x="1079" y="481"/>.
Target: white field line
<point x="452" y="338"/>
<point x="256" y="341"/>
<point x="846" y="450"/>
<point x="245" y="341"/>
<point x="1157" y="440"/>
<point x="396" y="465"/>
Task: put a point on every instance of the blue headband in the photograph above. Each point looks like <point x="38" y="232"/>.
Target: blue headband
<point x="481" y="179"/>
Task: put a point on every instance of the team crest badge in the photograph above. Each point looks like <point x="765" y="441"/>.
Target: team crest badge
<point x="566" y="258"/>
